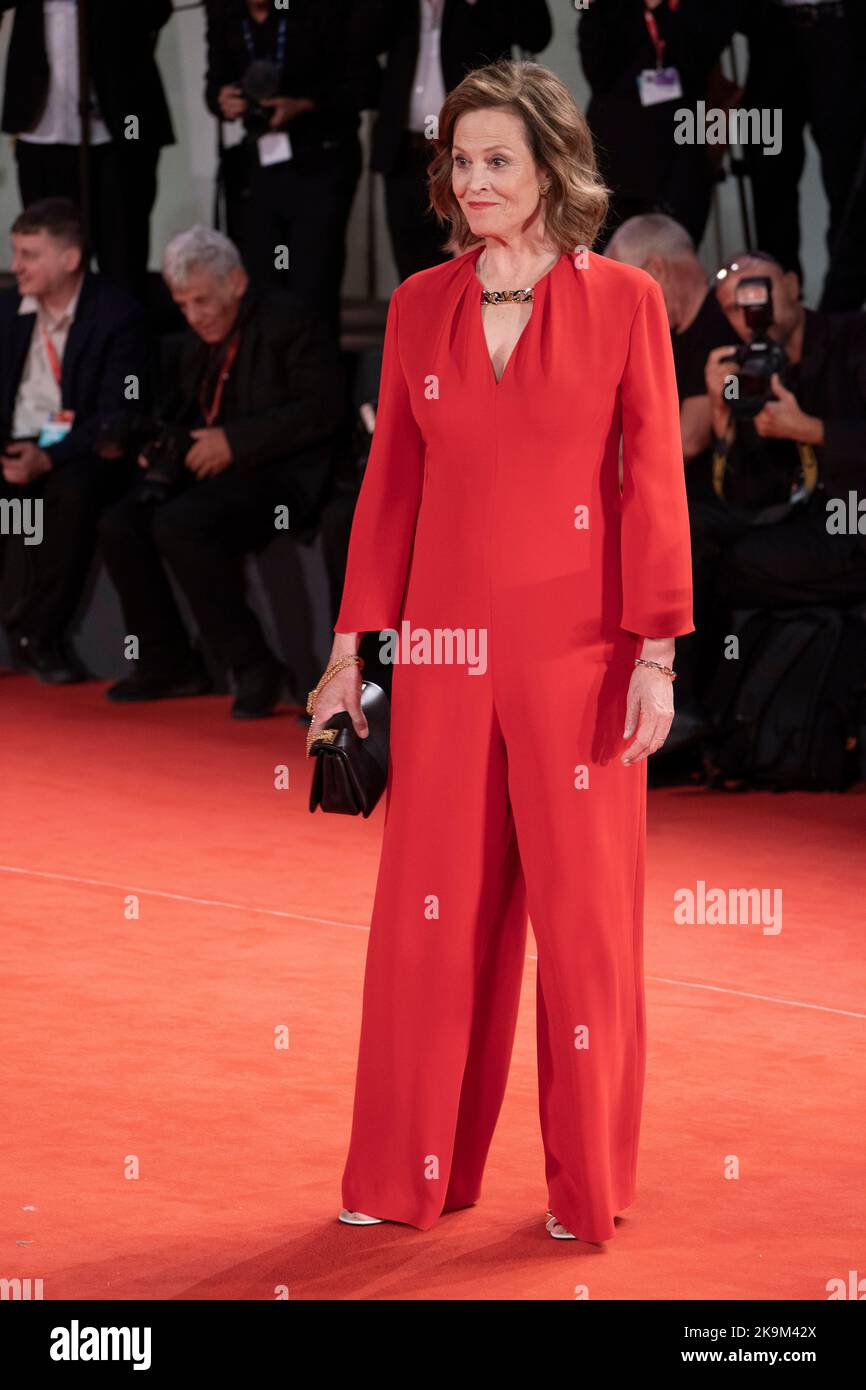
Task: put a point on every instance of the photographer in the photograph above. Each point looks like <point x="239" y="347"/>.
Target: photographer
<point x="297" y="78"/>
<point x="73" y="351"/>
<point x="789" y="423"/>
<point x="252" y="425"/>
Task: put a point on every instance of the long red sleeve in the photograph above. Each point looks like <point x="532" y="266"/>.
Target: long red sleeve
<point x="655" y="543"/>
<point x="383" y="528"/>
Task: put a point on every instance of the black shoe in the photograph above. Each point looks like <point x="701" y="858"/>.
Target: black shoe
<point x="51" y="659"/>
<point x="258" y="688"/>
<point x="162" y="685"/>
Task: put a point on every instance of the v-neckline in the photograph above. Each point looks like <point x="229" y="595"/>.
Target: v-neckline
<point x="541" y="281"/>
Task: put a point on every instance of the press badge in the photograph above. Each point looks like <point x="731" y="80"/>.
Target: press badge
<point x="658" y="84"/>
<point x="56" y="427"/>
<point x="274" y="148"/>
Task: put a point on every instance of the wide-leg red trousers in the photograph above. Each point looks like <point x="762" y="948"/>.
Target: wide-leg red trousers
<point x="484" y="819"/>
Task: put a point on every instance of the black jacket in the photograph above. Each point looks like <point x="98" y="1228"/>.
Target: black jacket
<point x="328" y="58"/>
<point x="472" y="35"/>
<point x="107" y="344"/>
<point x="122" y="36"/>
<point x="283" y="401"/>
<point x="830" y="382"/>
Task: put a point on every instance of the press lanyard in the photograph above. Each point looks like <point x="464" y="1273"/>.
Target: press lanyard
<point x="51" y="354"/>
<point x="281" y="40"/>
<point x="212" y="411"/>
<point x="658" y="41"/>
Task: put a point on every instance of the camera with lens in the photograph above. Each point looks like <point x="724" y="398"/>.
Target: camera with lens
<point x="163" y="445"/>
<point x="762" y="356"/>
<point x="260" y="82"/>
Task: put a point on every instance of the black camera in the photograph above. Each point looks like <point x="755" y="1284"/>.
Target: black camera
<point x="762" y="356"/>
<point x="260" y="82"/>
<point x="163" y="445"/>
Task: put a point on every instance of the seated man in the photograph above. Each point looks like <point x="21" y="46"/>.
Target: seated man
<point x="73" y="350"/>
<point x="260" y="391"/>
<point x="752" y="546"/>
<point x="658" y="244"/>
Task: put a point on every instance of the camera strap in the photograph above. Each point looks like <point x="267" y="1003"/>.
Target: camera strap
<point x="282" y="32"/>
<point x="800" y="493"/>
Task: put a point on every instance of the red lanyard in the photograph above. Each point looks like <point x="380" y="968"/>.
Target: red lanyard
<point x="51" y="354"/>
<point x="211" y="412"/>
<point x="658" y="41"/>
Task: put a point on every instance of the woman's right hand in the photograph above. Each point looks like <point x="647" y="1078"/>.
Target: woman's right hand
<point x="341" y="692"/>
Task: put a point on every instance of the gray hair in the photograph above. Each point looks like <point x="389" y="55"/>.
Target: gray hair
<point x="200" y="248"/>
<point x="650" y="234"/>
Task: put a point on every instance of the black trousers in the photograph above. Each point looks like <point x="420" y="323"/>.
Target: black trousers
<point x="845" y="285"/>
<point x="736" y="565"/>
<point x="123" y="190"/>
<point x="416" y="237"/>
<point x="304" y="207"/>
<point x="41" y="585"/>
<point x="813" y="73"/>
<point x="203" y="534"/>
<point x="684" y="183"/>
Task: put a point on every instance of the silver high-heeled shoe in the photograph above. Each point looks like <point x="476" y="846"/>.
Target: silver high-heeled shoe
<point x="562" y="1233"/>
<point x="359" y="1218"/>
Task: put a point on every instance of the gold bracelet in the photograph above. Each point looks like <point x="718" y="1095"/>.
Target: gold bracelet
<point x="339" y="665"/>
<point x="642" y="661"/>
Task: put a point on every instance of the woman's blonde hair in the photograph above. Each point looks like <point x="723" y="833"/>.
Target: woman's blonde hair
<point x="557" y="134"/>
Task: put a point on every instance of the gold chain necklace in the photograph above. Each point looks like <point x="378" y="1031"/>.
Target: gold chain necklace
<point x="523" y="296"/>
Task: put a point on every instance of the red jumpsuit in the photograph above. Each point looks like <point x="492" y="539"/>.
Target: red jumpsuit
<point x="498" y="506"/>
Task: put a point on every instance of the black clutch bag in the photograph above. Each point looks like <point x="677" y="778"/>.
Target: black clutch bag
<point x="351" y="772"/>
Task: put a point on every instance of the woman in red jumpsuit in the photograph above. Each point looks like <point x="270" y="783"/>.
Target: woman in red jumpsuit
<point x="492" y="509"/>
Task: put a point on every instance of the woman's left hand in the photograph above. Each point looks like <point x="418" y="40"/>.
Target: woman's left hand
<point x="649" y="710"/>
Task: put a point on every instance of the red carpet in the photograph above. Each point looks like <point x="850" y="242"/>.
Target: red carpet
<point x="147" y="1044"/>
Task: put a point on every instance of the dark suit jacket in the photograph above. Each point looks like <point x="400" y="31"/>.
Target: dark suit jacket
<point x="472" y="35"/>
<point x="107" y="343"/>
<point x="126" y="80"/>
<point x="284" y="399"/>
<point x="830" y="382"/>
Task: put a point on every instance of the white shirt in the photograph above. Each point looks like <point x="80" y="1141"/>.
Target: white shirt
<point x="428" y="84"/>
<point x="60" y="122"/>
<point x="38" y="393"/>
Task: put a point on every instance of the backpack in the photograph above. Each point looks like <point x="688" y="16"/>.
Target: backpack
<point x="790" y="712"/>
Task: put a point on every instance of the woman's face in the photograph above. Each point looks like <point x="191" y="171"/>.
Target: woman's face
<point x="493" y="174"/>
